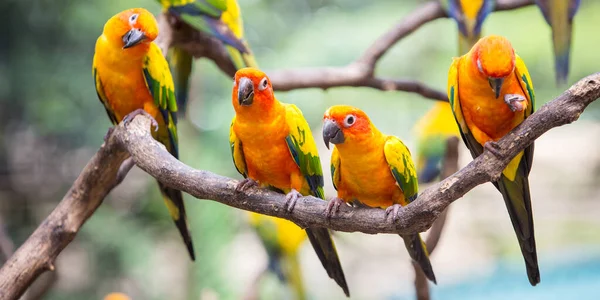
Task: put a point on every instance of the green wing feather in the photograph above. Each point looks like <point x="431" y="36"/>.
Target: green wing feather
<point x="335" y="167"/>
<point x="237" y="152"/>
<point x="303" y="149"/>
<point x="160" y="83"/>
<point x="102" y="95"/>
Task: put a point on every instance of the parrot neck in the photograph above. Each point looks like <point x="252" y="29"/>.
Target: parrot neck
<point x="364" y="145"/>
<point x="260" y="112"/>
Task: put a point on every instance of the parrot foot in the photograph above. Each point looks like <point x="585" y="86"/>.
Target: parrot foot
<point x="245" y="185"/>
<point x="108" y="134"/>
<point x="394" y="210"/>
<point x="128" y="118"/>
<point x="290" y="200"/>
<point x="515" y="102"/>
<point x="333" y="206"/>
<point x="493" y="148"/>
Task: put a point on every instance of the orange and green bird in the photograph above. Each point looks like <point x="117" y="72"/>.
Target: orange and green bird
<point x="559" y="15"/>
<point x="372" y="169"/>
<point x="282" y="240"/>
<point x="132" y="77"/>
<point x="219" y="25"/>
<point x="494" y="96"/>
<point x="433" y="131"/>
<point x="469" y="16"/>
<point x="272" y="146"/>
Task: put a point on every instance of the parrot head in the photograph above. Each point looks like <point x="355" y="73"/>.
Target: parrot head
<point x="494" y="57"/>
<point x="131" y="27"/>
<point x="344" y="124"/>
<point x="252" y="91"/>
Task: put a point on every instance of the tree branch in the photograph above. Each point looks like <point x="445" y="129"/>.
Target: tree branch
<point x="40" y="250"/>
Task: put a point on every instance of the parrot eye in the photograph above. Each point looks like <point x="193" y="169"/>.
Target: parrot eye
<point x="263" y="84"/>
<point x="349" y="120"/>
<point x="133" y="19"/>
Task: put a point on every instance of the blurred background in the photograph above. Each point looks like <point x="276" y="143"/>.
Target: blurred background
<point x="52" y="123"/>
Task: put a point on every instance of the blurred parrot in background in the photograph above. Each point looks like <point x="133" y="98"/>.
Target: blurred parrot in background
<point x="219" y="24"/>
<point x="272" y="146"/>
<point x="469" y="16"/>
<point x="494" y="96"/>
<point x="132" y="77"/>
<point x="559" y="15"/>
<point x="433" y="131"/>
<point x="372" y="169"/>
<point x="282" y="240"/>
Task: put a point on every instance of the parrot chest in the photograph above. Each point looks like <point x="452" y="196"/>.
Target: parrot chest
<point x="368" y="180"/>
<point x="126" y="92"/>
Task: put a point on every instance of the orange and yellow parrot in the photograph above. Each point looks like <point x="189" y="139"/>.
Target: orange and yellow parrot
<point x="132" y="77"/>
<point x="559" y="15"/>
<point x="433" y="131"/>
<point x="373" y="169"/>
<point x="219" y="24"/>
<point x="272" y="146"/>
<point x="282" y="240"/>
<point x="469" y="16"/>
<point x="494" y="96"/>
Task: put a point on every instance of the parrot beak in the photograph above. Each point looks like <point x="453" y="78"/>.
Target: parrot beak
<point x="245" y="91"/>
<point x="332" y="133"/>
<point x="133" y="37"/>
<point x="496" y="84"/>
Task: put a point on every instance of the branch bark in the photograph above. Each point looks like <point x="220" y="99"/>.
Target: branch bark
<point x="40" y="250"/>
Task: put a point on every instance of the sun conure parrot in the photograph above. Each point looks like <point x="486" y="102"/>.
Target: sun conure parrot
<point x="272" y="146"/>
<point x="373" y="169"/>
<point x="433" y="131"/>
<point x="559" y="15"/>
<point x="469" y="16"/>
<point x="132" y="77"/>
<point x="282" y="240"/>
<point x="494" y="96"/>
<point x="217" y="21"/>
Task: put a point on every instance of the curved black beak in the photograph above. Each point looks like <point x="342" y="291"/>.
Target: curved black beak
<point x="496" y="84"/>
<point x="245" y="91"/>
<point x="133" y="37"/>
<point x="332" y="133"/>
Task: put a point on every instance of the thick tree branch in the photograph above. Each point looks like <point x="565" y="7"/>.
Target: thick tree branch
<point x="40" y="250"/>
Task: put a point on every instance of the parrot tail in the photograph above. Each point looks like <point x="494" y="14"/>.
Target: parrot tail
<point x="293" y="274"/>
<point x="430" y="170"/>
<point x="325" y="249"/>
<point x="518" y="202"/>
<point x="181" y="68"/>
<point x="561" y="40"/>
<point x="418" y="252"/>
<point x="174" y="201"/>
<point x="465" y="43"/>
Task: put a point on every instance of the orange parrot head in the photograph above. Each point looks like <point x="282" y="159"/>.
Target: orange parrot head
<point x="131" y="27"/>
<point x="345" y="124"/>
<point x="494" y="57"/>
<point x="252" y="91"/>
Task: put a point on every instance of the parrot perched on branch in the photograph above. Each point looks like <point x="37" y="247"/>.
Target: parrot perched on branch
<point x="469" y="16"/>
<point x="217" y="21"/>
<point x="282" y="240"/>
<point x="433" y="131"/>
<point x="272" y="146"/>
<point x="494" y="96"/>
<point x="132" y="77"/>
<point x="559" y="15"/>
<point x="373" y="169"/>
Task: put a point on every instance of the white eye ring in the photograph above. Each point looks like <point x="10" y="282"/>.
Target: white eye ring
<point x="264" y="83"/>
<point x="133" y="19"/>
<point x="479" y="66"/>
<point x="349" y="120"/>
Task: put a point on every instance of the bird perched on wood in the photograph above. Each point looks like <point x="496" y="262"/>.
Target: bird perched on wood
<point x="289" y="165"/>
<point x="373" y="169"/>
<point x="559" y="15"/>
<point x="218" y="25"/>
<point x="469" y="16"/>
<point x="132" y="77"/>
<point x="491" y="92"/>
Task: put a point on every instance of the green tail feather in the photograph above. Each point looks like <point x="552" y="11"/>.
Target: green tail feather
<point x="518" y="202"/>
<point x="181" y="68"/>
<point x="418" y="252"/>
<point x="174" y="201"/>
<point x="293" y="274"/>
<point x="325" y="249"/>
<point x="465" y="43"/>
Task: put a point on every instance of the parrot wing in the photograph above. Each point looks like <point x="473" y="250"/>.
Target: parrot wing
<point x="101" y="95"/>
<point x="335" y="167"/>
<point x="303" y="149"/>
<point x="160" y="84"/>
<point x="237" y="152"/>
<point x="180" y="62"/>
<point x="469" y="26"/>
<point x="401" y="165"/>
